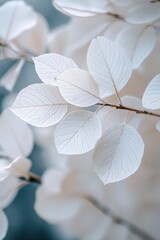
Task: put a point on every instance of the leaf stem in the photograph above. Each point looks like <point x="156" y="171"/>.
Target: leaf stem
<point x="119" y="220"/>
<point x="33" y="178"/>
<point x="122" y="107"/>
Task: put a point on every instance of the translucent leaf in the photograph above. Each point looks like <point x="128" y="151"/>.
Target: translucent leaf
<point x="118" y="153"/>
<point x="49" y="66"/>
<point x="77" y="133"/>
<point x="13" y="131"/>
<point x="144" y="13"/>
<point x="15" y="17"/>
<point x="151" y="96"/>
<point x="9" y="79"/>
<point x="82" y="8"/>
<point x="40" y="105"/>
<point x="3" y="225"/>
<point x="78" y="88"/>
<point x="109" y="65"/>
<point x="138" y="42"/>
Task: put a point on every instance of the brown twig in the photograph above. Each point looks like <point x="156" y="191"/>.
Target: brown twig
<point x="138" y="111"/>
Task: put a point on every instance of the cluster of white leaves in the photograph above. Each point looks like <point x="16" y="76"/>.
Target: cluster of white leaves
<point x="42" y="105"/>
<point x="16" y="143"/>
<point x="23" y="31"/>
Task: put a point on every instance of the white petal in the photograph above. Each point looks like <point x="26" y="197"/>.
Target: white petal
<point x="144" y="13"/>
<point x="3" y="225"/>
<point x="40" y="105"/>
<point x="49" y="66"/>
<point x="55" y="208"/>
<point x="77" y="133"/>
<point x="78" y="88"/>
<point x="9" y="79"/>
<point x="118" y="153"/>
<point x="20" y="167"/>
<point x="82" y="8"/>
<point x="15" y="17"/>
<point x="151" y="96"/>
<point x="13" y="132"/>
<point x="138" y="42"/>
<point x="109" y="65"/>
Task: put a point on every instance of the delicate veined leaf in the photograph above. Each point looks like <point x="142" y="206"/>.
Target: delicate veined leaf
<point x="10" y="77"/>
<point x="138" y="42"/>
<point x="40" y="105"/>
<point x="151" y="96"/>
<point x="13" y="131"/>
<point x="3" y="225"/>
<point x="144" y="13"/>
<point x="20" y="167"/>
<point x="82" y="8"/>
<point x="118" y="153"/>
<point x="78" y="88"/>
<point x="15" y="17"/>
<point x="77" y="133"/>
<point x="49" y="66"/>
<point x="109" y="65"/>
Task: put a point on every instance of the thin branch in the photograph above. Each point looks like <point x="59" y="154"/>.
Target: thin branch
<point x="105" y="210"/>
<point x="138" y="111"/>
<point x="119" y="220"/>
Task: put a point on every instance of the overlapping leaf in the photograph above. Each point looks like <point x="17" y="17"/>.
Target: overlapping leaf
<point x="151" y="97"/>
<point x="77" y="133"/>
<point x="49" y="66"/>
<point x="78" y="88"/>
<point x="109" y="65"/>
<point x="40" y="105"/>
<point x="118" y="153"/>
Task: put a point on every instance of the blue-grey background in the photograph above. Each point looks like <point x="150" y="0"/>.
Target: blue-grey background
<point x="24" y="224"/>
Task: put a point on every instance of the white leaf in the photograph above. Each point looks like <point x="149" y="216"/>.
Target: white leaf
<point x="138" y="42"/>
<point x="118" y="153"/>
<point x="77" y="133"/>
<point x="13" y="132"/>
<point x="78" y="88"/>
<point x="40" y="105"/>
<point x="49" y="66"/>
<point x="144" y="13"/>
<point x="82" y="8"/>
<point x="20" y="167"/>
<point x="109" y="65"/>
<point x="9" y="79"/>
<point x="3" y="225"/>
<point x="151" y="96"/>
<point x="15" y="17"/>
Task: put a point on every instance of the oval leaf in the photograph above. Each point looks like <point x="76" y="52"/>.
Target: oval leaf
<point x="78" y="88"/>
<point x="118" y="153"/>
<point x="151" y="96"/>
<point x="77" y="133"/>
<point x="109" y="65"/>
<point x="49" y="66"/>
<point x="40" y="105"/>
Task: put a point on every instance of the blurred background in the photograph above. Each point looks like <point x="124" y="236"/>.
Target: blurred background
<point x="23" y="221"/>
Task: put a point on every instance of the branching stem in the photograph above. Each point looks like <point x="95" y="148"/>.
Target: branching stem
<point x="138" y="111"/>
<point x="105" y="210"/>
